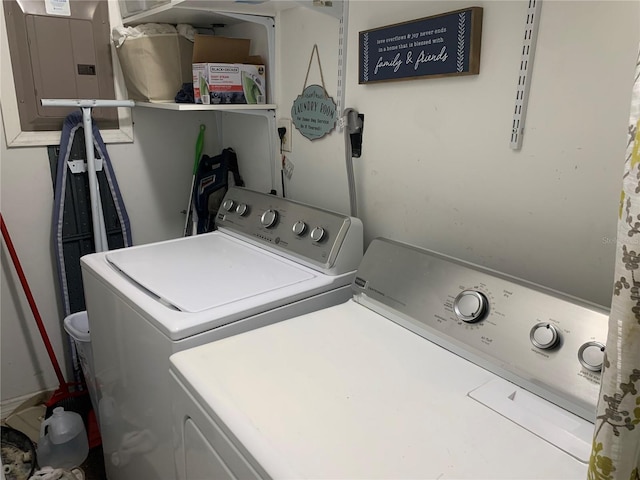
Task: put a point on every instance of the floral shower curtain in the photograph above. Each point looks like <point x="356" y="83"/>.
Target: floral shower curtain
<point x="615" y="454"/>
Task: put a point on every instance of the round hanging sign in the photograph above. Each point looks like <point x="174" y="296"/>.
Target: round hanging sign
<point x="314" y="112"/>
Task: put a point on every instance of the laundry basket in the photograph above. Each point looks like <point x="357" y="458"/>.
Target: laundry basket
<point x="77" y="326"/>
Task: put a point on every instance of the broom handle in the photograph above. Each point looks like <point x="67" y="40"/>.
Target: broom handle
<point x="32" y="303"/>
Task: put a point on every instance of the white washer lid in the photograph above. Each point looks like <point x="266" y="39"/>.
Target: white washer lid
<point x="198" y="273"/>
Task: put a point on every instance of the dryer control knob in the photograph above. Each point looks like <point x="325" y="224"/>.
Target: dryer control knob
<point x="299" y="228"/>
<point x="544" y="335"/>
<point x="470" y="306"/>
<point x="269" y="218"/>
<point x="242" y="209"/>
<point x="228" y="204"/>
<point x="591" y="356"/>
<point x="317" y="234"/>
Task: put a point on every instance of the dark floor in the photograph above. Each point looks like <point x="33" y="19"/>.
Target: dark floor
<point x="93" y="466"/>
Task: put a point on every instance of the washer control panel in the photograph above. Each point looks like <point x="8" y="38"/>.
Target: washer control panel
<point x="309" y="234"/>
<point x="546" y="342"/>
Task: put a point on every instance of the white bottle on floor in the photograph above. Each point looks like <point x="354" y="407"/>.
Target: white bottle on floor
<point x="63" y="440"/>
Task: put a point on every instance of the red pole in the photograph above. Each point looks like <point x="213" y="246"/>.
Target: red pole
<point x="32" y="303"/>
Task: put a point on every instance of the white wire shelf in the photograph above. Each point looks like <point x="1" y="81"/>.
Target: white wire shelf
<point x="199" y="106"/>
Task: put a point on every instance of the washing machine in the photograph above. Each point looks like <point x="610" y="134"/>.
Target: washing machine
<point x="270" y="259"/>
<point x="435" y="368"/>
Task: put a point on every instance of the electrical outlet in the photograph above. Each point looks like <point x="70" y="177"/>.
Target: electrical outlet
<point x="286" y="141"/>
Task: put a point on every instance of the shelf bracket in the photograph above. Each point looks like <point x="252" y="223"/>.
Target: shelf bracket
<point x="270" y="26"/>
<point x="342" y="59"/>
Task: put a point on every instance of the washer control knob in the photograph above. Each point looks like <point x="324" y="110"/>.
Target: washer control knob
<point x="242" y="209"/>
<point x="470" y="306"/>
<point x="591" y="356"/>
<point x="317" y="234"/>
<point x="228" y="204"/>
<point x="269" y="218"/>
<point x="544" y="336"/>
<point x="299" y="228"/>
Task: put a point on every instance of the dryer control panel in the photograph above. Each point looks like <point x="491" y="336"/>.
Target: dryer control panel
<point x="319" y="238"/>
<point x="540" y="339"/>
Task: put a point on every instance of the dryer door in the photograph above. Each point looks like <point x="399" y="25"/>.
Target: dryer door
<point x="201" y="459"/>
<point x="202" y="448"/>
<point x="212" y="457"/>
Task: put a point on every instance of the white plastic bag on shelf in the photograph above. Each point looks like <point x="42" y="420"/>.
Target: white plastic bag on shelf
<point x="156" y="59"/>
<point x="120" y="33"/>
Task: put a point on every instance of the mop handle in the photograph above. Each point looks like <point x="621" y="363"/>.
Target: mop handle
<point x="32" y="303"/>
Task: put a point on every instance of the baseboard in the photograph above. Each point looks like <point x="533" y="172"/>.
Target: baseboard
<point x="7" y="407"/>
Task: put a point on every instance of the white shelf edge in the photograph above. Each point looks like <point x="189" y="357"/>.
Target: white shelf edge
<point x="140" y="17"/>
<point x="189" y="8"/>
<point x="199" y="106"/>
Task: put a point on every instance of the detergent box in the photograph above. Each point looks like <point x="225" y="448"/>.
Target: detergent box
<point x="225" y="73"/>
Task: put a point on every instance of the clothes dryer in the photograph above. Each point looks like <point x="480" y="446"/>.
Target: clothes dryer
<point x="436" y="368"/>
<point x="270" y="259"/>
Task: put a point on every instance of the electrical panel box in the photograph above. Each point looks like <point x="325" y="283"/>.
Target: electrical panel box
<point x="60" y="50"/>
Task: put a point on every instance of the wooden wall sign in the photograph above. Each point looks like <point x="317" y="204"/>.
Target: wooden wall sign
<point x="442" y="45"/>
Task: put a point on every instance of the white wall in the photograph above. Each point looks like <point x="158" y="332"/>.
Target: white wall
<point x="319" y="174"/>
<point x="26" y="200"/>
<point x="154" y="175"/>
<point x="436" y="168"/>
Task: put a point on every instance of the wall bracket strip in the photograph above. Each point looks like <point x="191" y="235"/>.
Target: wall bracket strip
<point x="342" y="58"/>
<point x="526" y="70"/>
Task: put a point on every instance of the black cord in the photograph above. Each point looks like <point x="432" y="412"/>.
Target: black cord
<point x="282" y="131"/>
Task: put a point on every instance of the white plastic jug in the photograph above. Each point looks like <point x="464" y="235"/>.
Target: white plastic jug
<point x="63" y="440"/>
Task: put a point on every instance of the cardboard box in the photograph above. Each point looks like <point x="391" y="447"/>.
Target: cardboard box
<point x="155" y="66"/>
<point x="229" y="83"/>
<point x="224" y="72"/>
